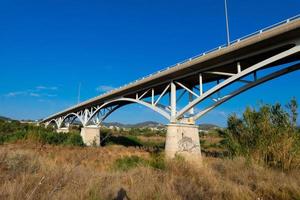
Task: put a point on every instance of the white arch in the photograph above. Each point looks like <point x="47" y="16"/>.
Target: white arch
<point x="104" y="117"/>
<point x="52" y="120"/>
<point x="236" y="77"/>
<point x="247" y="87"/>
<point x="123" y="99"/>
<point x="71" y="114"/>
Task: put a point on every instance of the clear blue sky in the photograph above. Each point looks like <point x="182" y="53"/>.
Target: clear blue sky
<point x="47" y="47"/>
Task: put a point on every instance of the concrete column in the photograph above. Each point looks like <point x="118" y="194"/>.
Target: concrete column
<point x="173" y="102"/>
<point x="200" y="84"/>
<point x="63" y="130"/>
<point x="90" y="135"/>
<point x="183" y="140"/>
<point x="191" y="98"/>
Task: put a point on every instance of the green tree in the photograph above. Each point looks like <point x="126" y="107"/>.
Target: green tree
<point x="268" y="135"/>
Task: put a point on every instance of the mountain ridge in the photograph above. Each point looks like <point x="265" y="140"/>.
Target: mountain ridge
<point x="5" y="118"/>
<point x="145" y="124"/>
<point x="149" y="124"/>
<point x="152" y="124"/>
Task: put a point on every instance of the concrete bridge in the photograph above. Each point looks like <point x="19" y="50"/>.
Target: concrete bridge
<point x="276" y="47"/>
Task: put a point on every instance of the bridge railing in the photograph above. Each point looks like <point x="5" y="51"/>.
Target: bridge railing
<point x="297" y="17"/>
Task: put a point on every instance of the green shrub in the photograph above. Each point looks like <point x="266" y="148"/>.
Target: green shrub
<point x="157" y="161"/>
<point x="53" y="137"/>
<point x="268" y="135"/>
<point x="74" y="139"/>
<point x="18" y="135"/>
<point x="127" y="141"/>
<point x="128" y="162"/>
<point x="13" y="131"/>
<point x="2" y="139"/>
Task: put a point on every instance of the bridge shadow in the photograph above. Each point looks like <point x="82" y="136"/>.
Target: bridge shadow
<point x="120" y="140"/>
<point x="131" y="141"/>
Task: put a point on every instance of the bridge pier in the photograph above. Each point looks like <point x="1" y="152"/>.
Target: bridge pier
<point x="63" y="130"/>
<point x="90" y="135"/>
<point x="183" y="140"/>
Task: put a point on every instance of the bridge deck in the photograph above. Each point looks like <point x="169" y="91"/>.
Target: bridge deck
<point x="247" y="51"/>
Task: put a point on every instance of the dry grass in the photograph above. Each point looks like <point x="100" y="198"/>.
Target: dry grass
<point x="30" y="171"/>
<point x="158" y="139"/>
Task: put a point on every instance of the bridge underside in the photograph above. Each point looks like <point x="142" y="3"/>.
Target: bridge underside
<point x="165" y="97"/>
<point x="177" y="95"/>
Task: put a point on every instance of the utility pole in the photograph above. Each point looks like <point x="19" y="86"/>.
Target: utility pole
<point x="79" y="88"/>
<point x="227" y="23"/>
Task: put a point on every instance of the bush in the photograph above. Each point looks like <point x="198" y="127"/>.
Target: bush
<point x="74" y="139"/>
<point x="14" y="131"/>
<point x="18" y="135"/>
<point x="268" y="136"/>
<point x="2" y="139"/>
<point x="128" y="162"/>
<point x="157" y="161"/>
<point x="53" y="138"/>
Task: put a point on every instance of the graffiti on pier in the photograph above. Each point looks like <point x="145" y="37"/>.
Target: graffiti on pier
<point x="187" y="144"/>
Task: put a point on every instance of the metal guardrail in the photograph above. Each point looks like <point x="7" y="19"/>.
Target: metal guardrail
<point x="297" y="17"/>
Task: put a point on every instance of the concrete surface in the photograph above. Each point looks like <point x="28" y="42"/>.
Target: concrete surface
<point x="183" y="140"/>
<point x="62" y="130"/>
<point x="90" y="136"/>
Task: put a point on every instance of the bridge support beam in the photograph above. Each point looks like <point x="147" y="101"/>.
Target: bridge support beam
<point x="90" y="135"/>
<point x="183" y="140"/>
<point x="63" y="130"/>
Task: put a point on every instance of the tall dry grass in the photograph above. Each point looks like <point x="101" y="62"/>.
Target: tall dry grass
<point x="30" y="171"/>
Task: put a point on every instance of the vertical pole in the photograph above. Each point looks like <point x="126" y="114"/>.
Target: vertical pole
<point x="227" y="23"/>
<point x="255" y="75"/>
<point x="218" y="93"/>
<point x="239" y="69"/>
<point x="173" y="102"/>
<point x="97" y="119"/>
<point x="85" y="116"/>
<point x="191" y="98"/>
<point x="200" y="84"/>
<point x="152" y="97"/>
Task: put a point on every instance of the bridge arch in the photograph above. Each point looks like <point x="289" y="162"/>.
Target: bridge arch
<point x="125" y="101"/>
<point x="52" y="121"/>
<point x="248" y="87"/>
<point x="70" y="115"/>
<point x="237" y="77"/>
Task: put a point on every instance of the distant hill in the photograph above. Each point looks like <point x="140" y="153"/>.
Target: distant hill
<point x="108" y="124"/>
<point x="207" y="127"/>
<point x="5" y="118"/>
<point x="150" y="124"/>
<point x="153" y="124"/>
<point x="147" y="124"/>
